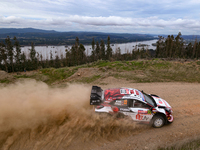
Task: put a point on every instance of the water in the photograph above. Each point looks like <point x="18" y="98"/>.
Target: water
<point x="60" y="50"/>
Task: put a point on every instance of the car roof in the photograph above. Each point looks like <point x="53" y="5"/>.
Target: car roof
<point x="123" y="93"/>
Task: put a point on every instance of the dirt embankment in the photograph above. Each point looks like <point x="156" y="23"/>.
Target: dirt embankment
<point x="34" y="116"/>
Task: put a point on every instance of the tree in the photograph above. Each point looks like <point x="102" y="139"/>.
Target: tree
<point x="68" y="57"/>
<point x="118" y="53"/>
<point x="17" y="54"/>
<point x="24" y="61"/>
<point x="102" y="50"/>
<point x="109" y="49"/>
<point x="9" y="48"/>
<point x="97" y="51"/>
<point x="3" y="55"/>
<point x="81" y="54"/>
<point x="93" y="55"/>
<point x="33" y="59"/>
<point x="57" y="62"/>
<point x="178" y="46"/>
<point x="51" y="62"/>
<point x="171" y="52"/>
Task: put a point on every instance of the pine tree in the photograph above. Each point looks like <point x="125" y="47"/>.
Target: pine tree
<point x="33" y="59"/>
<point x="109" y="49"/>
<point x="3" y="55"/>
<point x="24" y="61"/>
<point x="102" y="50"/>
<point x="171" y="52"/>
<point x="51" y="62"/>
<point x="57" y="62"/>
<point x="17" y="54"/>
<point x="81" y="54"/>
<point x="93" y="55"/>
<point x="68" y="57"/>
<point x="118" y="53"/>
<point x="198" y="51"/>
<point x="97" y="51"/>
<point x="10" y="53"/>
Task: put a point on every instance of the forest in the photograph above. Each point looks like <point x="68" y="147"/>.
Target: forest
<point x="14" y="60"/>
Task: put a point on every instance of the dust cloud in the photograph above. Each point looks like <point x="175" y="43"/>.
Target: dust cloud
<point x="36" y="116"/>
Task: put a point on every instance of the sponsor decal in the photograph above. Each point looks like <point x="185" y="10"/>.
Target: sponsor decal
<point x="149" y="112"/>
<point x="125" y="102"/>
<point x="141" y="117"/>
<point x="109" y="93"/>
<point x="124" y="109"/>
<point x="145" y="118"/>
<point x="165" y="103"/>
<point x="159" y="101"/>
<point x="137" y="93"/>
<point x="131" y="91"/>
<point x="124" y="91"/>
<point x="120" y="102"/>
<point x="142" y="111"/>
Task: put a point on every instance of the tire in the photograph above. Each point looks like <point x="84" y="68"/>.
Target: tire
<point x="158" y="121"/>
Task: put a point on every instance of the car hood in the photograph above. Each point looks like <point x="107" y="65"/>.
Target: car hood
<point x="161" y="102"/>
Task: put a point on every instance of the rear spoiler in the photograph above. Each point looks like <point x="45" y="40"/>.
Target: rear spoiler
<point x="96" y="95"/>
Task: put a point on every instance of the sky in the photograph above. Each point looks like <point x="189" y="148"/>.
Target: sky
<point x="113" y="16"/>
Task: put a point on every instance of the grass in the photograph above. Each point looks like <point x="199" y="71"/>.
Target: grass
<point x="22" y="76"/>
<point x="57" y="74"/>
<point x="155" y="70"/>
<point x="6" y="81"/>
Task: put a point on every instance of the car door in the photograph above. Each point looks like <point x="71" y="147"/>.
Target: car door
<point x="139" y="111"/>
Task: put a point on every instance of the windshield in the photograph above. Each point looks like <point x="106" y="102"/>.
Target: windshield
<point x="149" y="99"/>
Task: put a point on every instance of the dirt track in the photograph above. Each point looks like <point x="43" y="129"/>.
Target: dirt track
<point x="183" y="97"/>
<point x="185" y="100"/>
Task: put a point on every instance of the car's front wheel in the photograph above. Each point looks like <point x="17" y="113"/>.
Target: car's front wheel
<point x="158" y="121"/>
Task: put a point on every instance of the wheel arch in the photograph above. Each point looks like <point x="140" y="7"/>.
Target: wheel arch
<point x="161" y="114"/>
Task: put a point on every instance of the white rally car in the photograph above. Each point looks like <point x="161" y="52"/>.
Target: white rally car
<point x="131" y="102"/>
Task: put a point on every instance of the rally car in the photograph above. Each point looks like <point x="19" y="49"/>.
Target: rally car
<point x="136" y="104"/>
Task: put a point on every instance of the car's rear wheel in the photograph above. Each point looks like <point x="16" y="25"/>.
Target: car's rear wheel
<point x="158" y="121"/>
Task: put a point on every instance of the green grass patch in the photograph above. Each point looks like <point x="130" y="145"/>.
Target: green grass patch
<point x="155" y="70"/>
<point x="6" y="81"/>
<point x="21" y="76"/>
<point x="57" y="74"/>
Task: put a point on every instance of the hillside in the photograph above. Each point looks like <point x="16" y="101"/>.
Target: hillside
<point x="24" y="30"/>
<point x="138" y="71"/>
<point x="45" y="37"/>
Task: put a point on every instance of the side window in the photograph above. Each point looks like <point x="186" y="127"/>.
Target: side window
<point x="138" y="104"/>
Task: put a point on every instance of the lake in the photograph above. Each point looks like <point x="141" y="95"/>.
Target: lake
<point x="60" y="50"/>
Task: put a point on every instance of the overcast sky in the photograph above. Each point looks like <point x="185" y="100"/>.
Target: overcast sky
<point x="118" y="16"/>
